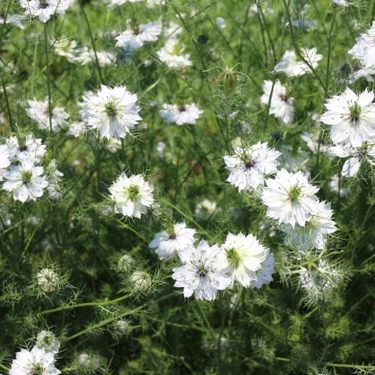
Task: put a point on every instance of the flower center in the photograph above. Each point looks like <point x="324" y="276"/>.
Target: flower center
<point x="110" y="109"/>
<point x="355" y="111"/>
<point x="234" y="258"/>
<point x="172" y="236"/>
<point x="294" y="193"/>
<point x="202" y="272"/>
<point x="250" y="164"/>
<point x="26" y="176"/>
<point x="284" y="97"/>
<point x="133" y="192"/>
<point x="43" y="5"/>
<point x="38" y="369"/>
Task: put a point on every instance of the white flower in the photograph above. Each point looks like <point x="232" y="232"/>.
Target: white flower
<point x="47" y="340"/>
<point x="341" y="3"/>
<point x="38" y="111"/>
<point x="186" y="114"/>
<point x="176" y="240"/>
<point x="290" y="198"/>
<point x="136" y="36"/>
<point x="351" y="117"/>
<point x="54" y="180"/>
<point x="36" y="361"/>
<point x="45" y="9"/>
<point x="364" y="49"/>
<point x="172" y="54"/>
<point x="15" y="19"/>
<point x="315" y="233"/>
<point x="220" y="22"/>
<point x="112" y="112"/>
<point x="264" y="275"/>
<point x="77" y="128"/>
<point x="281" y="104"/>
<point x="198" y="275"/>
<point x="292" y="67"/>
<point x="48" y="280"/>
<point x="249" y="166"/>
<point x="4" y="160"/>
<point x="26" y="181"/>
<point x="241" y="256"/>
<point x="141" y="281"/>
<point x="66" y="48"/>
<point x="27" y="149"/>
<point x="132" y="195"/>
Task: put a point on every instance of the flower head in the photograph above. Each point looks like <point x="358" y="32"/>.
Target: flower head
<point x="186" y="114"/>
<point x="112" y="112"/>
<point x="48" y="341"/>
<point x="199" y="275"/>
<point x="45" y="9"/>
<point x="241" y="256"/>
<point x="36" y="362"/>
<point x="48" y="280"/>
<point x="290" y="198"/>
<point x="132" y="195"/>
<point x="351" y="117"/>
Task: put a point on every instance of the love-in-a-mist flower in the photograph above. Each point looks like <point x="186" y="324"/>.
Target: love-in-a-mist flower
<point x="249" y="166"/>
<point x="136" y="35"/>
<point x="184" y="114"/>
<point x="315" y="232"/>
<point x="290" y="198"/>
<point x="4" y="160"/>
<point x="175" y="240"/>
<point x="172" y="54"/>
<point x="112" y="112"/>
<point x="34" y="362"/>
<point x="132" y="195"/>
<point x="115" y="3"/>
<point x="48" y="280"/>
<point x="26" y="181"/>
<point x="29" y="148"/>
<point x="47" y="340"/>
<point x="351" y="117"/>
<point x="293" y="67"/>
<point x="45" y="9"/>
<point x="241" y="256"/>
<point x="39" y="112"/>
<point x="199" y="275"/>
<point x="281" y="104"/>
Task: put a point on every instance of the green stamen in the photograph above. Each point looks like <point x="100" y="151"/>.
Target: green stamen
<point x="233" y="258"/>
<point x="133" y="192"/>
<point x="355" y="111"/>
<point x="294" y="193"/>
<point x="26" y="176"/>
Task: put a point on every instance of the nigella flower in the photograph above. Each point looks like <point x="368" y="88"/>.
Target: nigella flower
<point x="36" y="361"/>
<point x="132" y="195"/>
<point x="29" y="148"/>
<point x="112" y="112"/>
<point x="44" y="9"/>
<point x="114" y="3"/>
<point x="290" y="198"/>
<point x="172" y="54"/>
<point x="293" y="67"/>
<point x="281" y="104"/>
<point x="264" y="275"/>
<point x="248" y="166"/>
<point x="184" y="114"/>
<point x="351" y="117"/>
<point x="4" y="160"/>
<point x="39" y="112"/>
<point x="176" y="240"/>
<point x="241" y="256"/>
<point x="26" y="181"/>
<point x="136" y="35"/>
<point x="199" y="275"/>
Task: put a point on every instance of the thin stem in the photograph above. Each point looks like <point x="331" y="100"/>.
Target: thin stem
<point x="48" y="77"/>
<point x="7" y="101"/>
<point x="85" y="304"/>
<point x="329" y="52"/>
<point x="92" y="41"/>
<point x="4" y="22"/>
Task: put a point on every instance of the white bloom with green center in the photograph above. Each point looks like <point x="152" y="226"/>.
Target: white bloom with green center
<point x="45" y="9"/>
<point x="26" y="181"/>
<point x="112" y="112"/>
<point x="199" y="274"/>
<point x="241" y="256"/>
<point x="351" y="117"/>
<point x="290" y="198"/>
<point x="249" y="166"/>
<point x="36" y="362"/>
<point x="132" y="195"/>
<point x="172" y="54"/>
<point x="48" y="280"/>
<point x="184" y="114"/>
<point x="175" y="240"/>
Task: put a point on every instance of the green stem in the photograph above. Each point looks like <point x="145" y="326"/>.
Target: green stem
<point x="329" y="52"/>
<point x="92" y="41"/>
<point x="48" y="77"/>
<point x="4" y="24"/>
<point x="7" y="102"/>
<point x="86" y="304"/>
